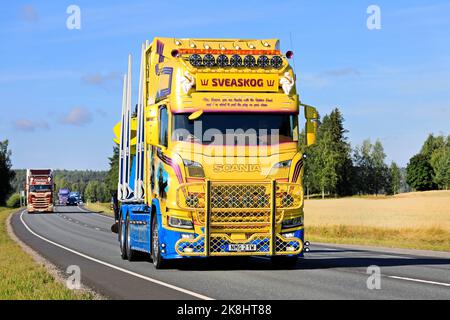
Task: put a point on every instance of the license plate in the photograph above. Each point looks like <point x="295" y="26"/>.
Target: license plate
<point x="238" y="247"/>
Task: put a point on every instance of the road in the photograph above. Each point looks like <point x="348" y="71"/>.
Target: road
<point x="74" y="236"/>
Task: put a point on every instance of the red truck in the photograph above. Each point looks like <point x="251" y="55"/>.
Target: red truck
<point x="40" y="190"/>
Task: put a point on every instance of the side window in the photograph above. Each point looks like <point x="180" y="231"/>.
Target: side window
<point x="163" y="120"/>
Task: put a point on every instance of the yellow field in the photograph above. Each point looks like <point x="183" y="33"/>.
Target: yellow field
<point x="418" y="220"/>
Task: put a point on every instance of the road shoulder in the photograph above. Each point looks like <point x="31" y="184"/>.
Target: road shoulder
<point x="52" y="269"/>
<point x="387" y="250"/>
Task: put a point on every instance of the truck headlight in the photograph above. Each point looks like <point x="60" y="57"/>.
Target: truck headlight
<point x="292" y="223"/>
<point x="283" y="164"/>
<point x="194" y="169"/>
<point x="281" y="168"/>
<point x="180" y="223"/>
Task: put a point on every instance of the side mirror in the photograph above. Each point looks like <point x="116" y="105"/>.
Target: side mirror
<point x="311" y="132"/>
<point x="311" y="116"/>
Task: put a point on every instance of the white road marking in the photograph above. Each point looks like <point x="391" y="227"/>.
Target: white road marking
<point x="194" y="294"/>
<point x="422" y="281"/>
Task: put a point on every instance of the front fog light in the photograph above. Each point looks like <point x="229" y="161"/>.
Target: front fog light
<point x="292" y="223"/>
<point x="288" y="235"/>
<point x="187" y="236"/>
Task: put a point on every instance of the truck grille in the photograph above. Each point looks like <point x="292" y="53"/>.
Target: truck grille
<point x="251" y="196"/>
<point x="239" y="207"/>
<point x="40" y="202"/>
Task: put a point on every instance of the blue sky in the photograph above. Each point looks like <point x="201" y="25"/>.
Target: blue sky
<point x="60" y="89"/>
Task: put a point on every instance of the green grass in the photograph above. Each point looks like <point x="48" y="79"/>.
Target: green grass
<point x="100" y="207"/>
<point x="21" y="278"/>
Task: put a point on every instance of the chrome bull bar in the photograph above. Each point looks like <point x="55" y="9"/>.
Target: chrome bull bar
<point x="225" y="209"/>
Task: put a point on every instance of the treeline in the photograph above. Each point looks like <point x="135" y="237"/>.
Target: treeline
<point x="91" y="184"/>
<point x="335" y="168"/>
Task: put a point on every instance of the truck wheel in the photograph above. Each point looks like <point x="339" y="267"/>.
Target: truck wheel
<point x="131" y="254"/>
<point x="288" y="262"/>
<point x="158" y="260"/>
<point x="122" y="239"/>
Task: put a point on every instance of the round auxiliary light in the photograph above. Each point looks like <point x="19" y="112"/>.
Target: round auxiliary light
<point x="263" y="62"/>
<point x="222" y="61"/>
<point x="209" y="60"/>
<point x="289" y="54"/>
<point x="236" y="61"/>
<point x="175" y="53"/>
<point x="195" y="60"/>
<point x="276" y="62"/>
<point x="249" y="61"/>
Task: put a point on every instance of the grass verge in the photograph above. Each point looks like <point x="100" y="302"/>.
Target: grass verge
<point x="104" y="208"/>
<point x="432" y="238"/>
<point x="21" y="278"/>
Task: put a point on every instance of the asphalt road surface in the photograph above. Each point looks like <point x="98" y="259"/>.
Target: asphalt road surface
<point x="74" y="236"/>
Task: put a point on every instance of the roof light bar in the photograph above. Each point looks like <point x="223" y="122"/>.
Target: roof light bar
<point x="230" y="52"/>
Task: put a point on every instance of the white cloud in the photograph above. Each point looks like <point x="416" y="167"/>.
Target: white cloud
<point x="78" y="116"/>
<point x="30" y="125"/>
<point x="98" y="79"/>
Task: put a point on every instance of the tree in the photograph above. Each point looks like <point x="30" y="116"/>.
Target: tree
<point x="326" y="170"/>
<point x="380" y="169"/>
<point x="13" y="201"/>
<point x="431" y="144"/>
<point x="440" y="161"/>
<point x="91" y="191"/>
<point x="395" y="178"/>
<point x="329" y="165"/>
<point x="103" y="194"/>
<point x="6" y="174"/>
<point x="363" y="171"/>
<point x="419" y="173"/>
<point x="334" y="124"/>
<point x="112" y="177"/>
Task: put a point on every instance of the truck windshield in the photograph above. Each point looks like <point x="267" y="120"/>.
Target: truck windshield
<point x="40" y="188"/>
<point x="236" y="128"/>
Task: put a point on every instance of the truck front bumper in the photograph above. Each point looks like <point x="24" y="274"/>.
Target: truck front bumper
<point x="176" y="245"/>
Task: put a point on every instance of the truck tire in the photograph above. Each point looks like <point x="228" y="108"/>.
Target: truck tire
<point x="122" y="239"/>
<point x="131" y="254"/>
<point x="158" y="260"/>
<point x="288" y="262"/>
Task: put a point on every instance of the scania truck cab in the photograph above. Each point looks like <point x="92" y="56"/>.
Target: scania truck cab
<point x="210" y="161"/>
<point x="40" y="190"/>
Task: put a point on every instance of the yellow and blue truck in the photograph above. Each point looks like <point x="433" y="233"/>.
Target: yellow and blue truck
<point x="210" y="160"/>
